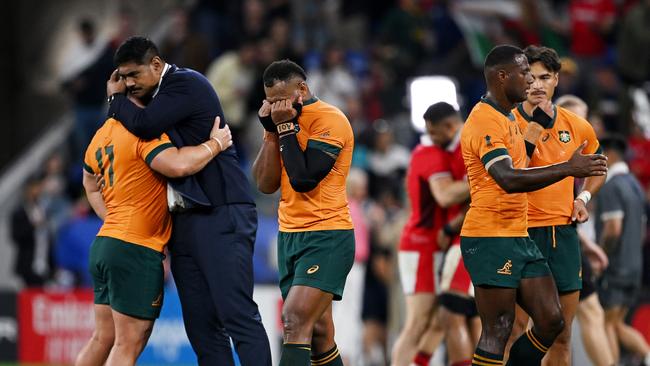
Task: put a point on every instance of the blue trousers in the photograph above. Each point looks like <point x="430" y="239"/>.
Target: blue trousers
<point x="212" y="263"/>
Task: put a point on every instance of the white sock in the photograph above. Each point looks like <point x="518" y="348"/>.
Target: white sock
<point x="646" y="360"/>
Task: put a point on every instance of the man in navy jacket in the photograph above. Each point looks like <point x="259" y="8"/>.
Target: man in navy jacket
<point x="214" y="216"/>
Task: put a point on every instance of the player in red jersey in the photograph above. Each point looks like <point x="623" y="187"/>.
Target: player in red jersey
<point x="431" y="190"/>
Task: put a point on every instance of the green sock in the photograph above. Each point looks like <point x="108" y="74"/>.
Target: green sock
<point x="484" y="358"/>
<point x="295" y="354"/>
<point x="527" y="350"/>
<point x="329" y="358"/>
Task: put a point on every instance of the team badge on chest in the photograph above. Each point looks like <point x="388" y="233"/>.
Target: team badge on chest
<point x="565" y="136"/>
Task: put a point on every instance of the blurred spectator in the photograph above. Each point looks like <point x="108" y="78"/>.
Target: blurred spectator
<point x="231" y="75"/>
<point x="633" y="58"/>
<point x="333" y="81"/>
<point x="253" y="20"/>
<point x="125" y="28"/>
<point x="182" y="46"/>
<point x="54" y="196"/>
<point x="591" y="22"/>
<point x="348" y="311"/>
<point x="72" y="248"/>
<point x="280" y="34"/>
<point x="86" y="69"/>
<point x="639" y="158"/>
<point x="29" y="233"/>
<point x="387" y="219"/>
<point x="620" y="215"/>
<point x="315" y="23"/>
<point x="387" y="161"/>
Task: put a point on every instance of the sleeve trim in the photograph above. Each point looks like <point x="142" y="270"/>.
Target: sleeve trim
<point x="438" y="175"/>
<point x="612" y="215"/>
<point x="485" y="159"/>
<point x="153" y="153"/>
<point x="498" y="158"/>
<point x="88" y="168"/>
<point x="323" y="146"/>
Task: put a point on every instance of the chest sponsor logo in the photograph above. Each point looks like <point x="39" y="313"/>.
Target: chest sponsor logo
<point x="565" y="136"/>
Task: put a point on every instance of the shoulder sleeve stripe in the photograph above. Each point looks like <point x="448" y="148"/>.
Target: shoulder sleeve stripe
<point x="324" y="146"/>
<point x="88" y="168"/>
<point x="157" y="151"/>
<point x="485" y="159"/>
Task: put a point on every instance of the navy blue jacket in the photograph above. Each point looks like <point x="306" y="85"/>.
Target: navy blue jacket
<point x="185" y="108"/>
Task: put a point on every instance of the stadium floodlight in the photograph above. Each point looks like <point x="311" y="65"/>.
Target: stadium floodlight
<point x="427" y="90"/>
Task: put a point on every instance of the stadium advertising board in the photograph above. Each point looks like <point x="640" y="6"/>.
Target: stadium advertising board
<point x="8" y="327"/>
<point x="54" y="326"/>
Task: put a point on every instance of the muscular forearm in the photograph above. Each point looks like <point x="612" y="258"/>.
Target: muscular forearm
<point x="195" y="158"/>
<point x="593" y="184"/>
<point x="266" y="168"/>
<point x="188" y="160"/>
<point x="527" y="180"/>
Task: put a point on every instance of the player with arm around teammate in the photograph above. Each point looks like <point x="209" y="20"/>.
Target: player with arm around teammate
<point x="126" y="257"/>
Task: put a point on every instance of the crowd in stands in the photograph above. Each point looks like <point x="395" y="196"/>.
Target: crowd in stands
<point x="359" y="56"/>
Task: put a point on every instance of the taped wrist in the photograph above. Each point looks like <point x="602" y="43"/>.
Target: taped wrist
<point x="542" y="118"/>
<point x="267" y="123"/>
<point x="530" y="149"/>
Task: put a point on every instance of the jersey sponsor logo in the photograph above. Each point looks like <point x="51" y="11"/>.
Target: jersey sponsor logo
<point x="326" y="134"/>
<point x="313" y="269"/>
<point x="506" y="269"/>
<point x="158" y="301"/>
<point x="488" y="140"/>
<point x="565" y="136"/>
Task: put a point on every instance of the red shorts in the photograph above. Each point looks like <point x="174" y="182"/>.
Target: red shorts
<point x="418" y="270"/>
<point x="455" y="277"/>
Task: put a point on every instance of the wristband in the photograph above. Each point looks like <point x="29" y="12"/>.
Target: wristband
<point x="542" y="118"/>
<point x="209" y="149"/>
<point x="286" y="128"/>
<point x="267" y="123"/>
<point x="584" y="196"/>
<point x="530" y="149"/>
<point x="218" y="142"/>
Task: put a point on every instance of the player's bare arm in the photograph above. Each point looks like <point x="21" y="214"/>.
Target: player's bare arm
<point x="448" y="192"/>
<point x="94" y="194"/>
<point x="188" y="160"/>
<point x="267" y="169"/>
<point x="514" y="180"/>
<point x="612" y="230"/>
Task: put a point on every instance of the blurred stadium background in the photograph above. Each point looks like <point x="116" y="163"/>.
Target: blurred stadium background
<point x="361" y="55"/>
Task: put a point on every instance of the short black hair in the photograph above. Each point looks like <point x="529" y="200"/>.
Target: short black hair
<point x="136" y="49"/>
<point x="614" y="142"/>
<point x="547" y="56"/>
<point x="439" y="111"/>
<point x="502" y="55"/>
<point x="86" y="25"/>
<point x="282" y="70"/>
